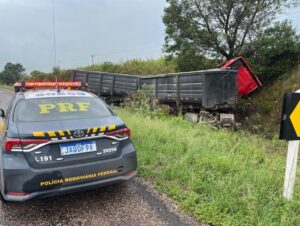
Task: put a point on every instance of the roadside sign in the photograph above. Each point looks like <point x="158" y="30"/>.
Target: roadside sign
<point x="290" y="131"/>
<point x="290" y="118"/>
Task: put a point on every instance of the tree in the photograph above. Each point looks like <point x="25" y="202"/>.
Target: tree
<point x="190" y="59"/>
<point x="11" y="73"/>
<point x="275" y="52"/>
<point x="217" y="28"/>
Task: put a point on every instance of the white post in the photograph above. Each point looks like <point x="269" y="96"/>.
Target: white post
<point x="290" y="170"/>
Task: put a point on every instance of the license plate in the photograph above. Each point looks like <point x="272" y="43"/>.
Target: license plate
<point x="78" y="147"/>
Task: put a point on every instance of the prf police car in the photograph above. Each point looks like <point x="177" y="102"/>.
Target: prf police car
<point x="56" y="141"/>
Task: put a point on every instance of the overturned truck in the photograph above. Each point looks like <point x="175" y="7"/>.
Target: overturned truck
<point x="206" y="89"/>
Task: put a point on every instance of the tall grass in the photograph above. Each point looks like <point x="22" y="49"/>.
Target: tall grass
<point x="135" y="67"/>
<point x="264" y="107"/>
<point x="220" y="177"/>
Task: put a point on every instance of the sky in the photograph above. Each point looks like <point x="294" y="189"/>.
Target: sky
<point x="111" y="30"/>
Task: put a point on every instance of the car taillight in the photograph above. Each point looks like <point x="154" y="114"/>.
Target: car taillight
<point x="13" y="144"/>
<point x="120" y="133"/>
<point x="10" y="143"/>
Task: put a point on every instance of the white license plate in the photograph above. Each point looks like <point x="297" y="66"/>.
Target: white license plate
<point x="78" y="147"/>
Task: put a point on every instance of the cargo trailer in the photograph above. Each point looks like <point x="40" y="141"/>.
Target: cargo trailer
<point x="206" y="89"/>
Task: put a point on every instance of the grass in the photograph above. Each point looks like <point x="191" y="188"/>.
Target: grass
<point x="264" y="107"/>
<point x="220" y="177"/>
<point x="6" y="87"/>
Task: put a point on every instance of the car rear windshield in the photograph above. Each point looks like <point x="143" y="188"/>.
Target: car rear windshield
<point x="60" y="108"/>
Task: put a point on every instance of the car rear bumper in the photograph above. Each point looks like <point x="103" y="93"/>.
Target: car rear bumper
<point x="22" y="182"/>
<point x="70" y="189"/>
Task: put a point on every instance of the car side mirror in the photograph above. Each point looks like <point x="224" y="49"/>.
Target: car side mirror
<point x="2" y="113"/>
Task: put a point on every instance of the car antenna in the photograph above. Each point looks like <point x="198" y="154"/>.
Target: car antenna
<point x="57" y="85"/>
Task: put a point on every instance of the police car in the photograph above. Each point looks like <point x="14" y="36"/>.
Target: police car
<point x="57" y="140"/>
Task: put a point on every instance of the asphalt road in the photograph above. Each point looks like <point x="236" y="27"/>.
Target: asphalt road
<point x="133" y="203"/>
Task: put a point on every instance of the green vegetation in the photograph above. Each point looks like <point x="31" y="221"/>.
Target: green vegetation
<point x="61" y="75"/>
<point x="132" y="67"/>
<point x="15" y="72"/>
<point x="261" y="113"/>
<point x="6" y="87"/>
<point x="216" y="29"/>
<point x="275" y="52"/>
<point x="220" y="177"/>
<point x="11" y="73"/>
<point x="136" y="67"/>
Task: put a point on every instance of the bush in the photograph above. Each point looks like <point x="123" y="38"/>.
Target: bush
<point x="140" y="101"/>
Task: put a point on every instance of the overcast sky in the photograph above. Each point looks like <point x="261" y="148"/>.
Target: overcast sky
<point x="112" y="30"/>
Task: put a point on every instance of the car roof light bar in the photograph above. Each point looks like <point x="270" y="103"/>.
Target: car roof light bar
<point x="29" y="85"/>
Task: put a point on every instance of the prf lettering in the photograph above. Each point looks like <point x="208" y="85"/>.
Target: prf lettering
<point x="64" y="107"/>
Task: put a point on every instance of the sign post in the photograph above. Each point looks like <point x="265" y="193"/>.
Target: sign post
<point x="290" y="170"/>
<point x="290" y="130"/>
